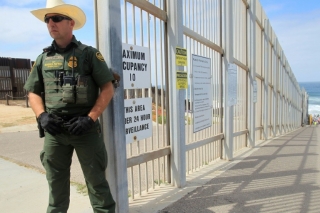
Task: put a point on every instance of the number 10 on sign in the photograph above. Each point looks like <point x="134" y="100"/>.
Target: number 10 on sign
<point x="136" y="66"/>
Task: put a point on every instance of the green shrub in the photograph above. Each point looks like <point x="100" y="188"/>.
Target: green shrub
<point x="162" y="119"/>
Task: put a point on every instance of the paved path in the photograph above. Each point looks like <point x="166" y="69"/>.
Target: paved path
<point x="281" y="175"/>
<point x="22" y="145"/>
<point x="23" y="190"/>
<point x="23" y="185"/>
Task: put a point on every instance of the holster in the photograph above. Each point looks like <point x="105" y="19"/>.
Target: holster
<point x="41" y="130"/>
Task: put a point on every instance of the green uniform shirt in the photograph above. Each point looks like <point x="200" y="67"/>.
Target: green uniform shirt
<point x="88" y="62"/>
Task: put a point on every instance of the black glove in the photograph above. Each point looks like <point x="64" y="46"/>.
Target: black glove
<point x="79" y="125"/>
<point x="50" y="123"/>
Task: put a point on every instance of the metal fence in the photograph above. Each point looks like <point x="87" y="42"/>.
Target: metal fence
<point x="269" y="101"/>
<point x="13" y="75"/>
<point x="201" y="28"/>
<point x="7" y="81"/>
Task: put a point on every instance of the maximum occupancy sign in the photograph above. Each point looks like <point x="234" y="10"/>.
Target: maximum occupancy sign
<point x="136" y="66"/>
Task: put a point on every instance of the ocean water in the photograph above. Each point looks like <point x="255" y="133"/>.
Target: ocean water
<point x="313" y="90"/>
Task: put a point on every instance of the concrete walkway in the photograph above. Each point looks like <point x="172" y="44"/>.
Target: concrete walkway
<point x="23" y="185"/>
<point x="280" y="175"/>
<point x="23" y="190"/>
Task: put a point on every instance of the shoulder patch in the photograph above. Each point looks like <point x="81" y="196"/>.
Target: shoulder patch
<point x="99" y="56"/>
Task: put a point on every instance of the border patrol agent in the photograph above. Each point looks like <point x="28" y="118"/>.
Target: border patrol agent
<point x="63" y="89"/>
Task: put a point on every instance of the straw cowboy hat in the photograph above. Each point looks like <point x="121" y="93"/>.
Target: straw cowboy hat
<point x="58" y="6"/>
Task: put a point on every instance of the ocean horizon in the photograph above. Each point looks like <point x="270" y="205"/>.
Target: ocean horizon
<point x="313" y="90"/>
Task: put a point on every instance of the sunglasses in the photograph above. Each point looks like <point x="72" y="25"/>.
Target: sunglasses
<point x="56" y="18"/>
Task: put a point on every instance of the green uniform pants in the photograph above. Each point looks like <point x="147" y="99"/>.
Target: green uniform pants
<point x="56" y="158"/>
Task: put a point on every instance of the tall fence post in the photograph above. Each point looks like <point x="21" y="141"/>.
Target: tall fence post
<point x="228" y="58"/>
<point x="285" y="97"/>
<point x="252" y="72"/>
<point x="276" y="88"/>
<point x="177" y="97"/>
<point x="266" y="79"/>
<point x="109" y="42"/>
<point x="281" y="97"/>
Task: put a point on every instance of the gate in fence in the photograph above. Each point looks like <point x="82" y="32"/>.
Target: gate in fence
<point x="210" y="77"/>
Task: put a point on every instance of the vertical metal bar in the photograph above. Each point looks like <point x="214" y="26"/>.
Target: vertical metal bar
<point x="166" y="62"/>
<point x="252" y="71"/>
<point x="190" y="15"/>
<point x="190" y="131"/>
<point x="156" y="94"/>
<point x="266" y="79"/>
<point x="110" y="45"/>
<point x="274" y="92"/>
<point x="221" y="81"/>
<point x="193" y="160"/>
<point x="141" y="30"/>
<point x="136" y="96"/>
<point x="128" y="95"/>
<point x="145" y="149"/>
<point x="162" y="96"/>
<point x="177" y="127"/>
<point x="228" y="58"/>
<point x="132" y="183"/>
<point x="150" y="95"/>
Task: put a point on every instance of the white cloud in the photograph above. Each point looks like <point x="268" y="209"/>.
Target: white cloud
<point x="42" y="3"/>
<point x="24" y="26"/>
<point x="22" y="3"/>
<point x="24" y="36"/>
<point x="88" y="5"/>
<point x="299" y="35"/>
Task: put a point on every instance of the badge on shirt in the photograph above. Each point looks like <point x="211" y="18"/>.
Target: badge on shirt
<point x="72" y="62"/>
<point x="99" y="56"/>
<point x="53" y="63"/>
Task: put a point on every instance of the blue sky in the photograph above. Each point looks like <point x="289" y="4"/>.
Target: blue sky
<point x="24" y="36"/>
<point x="295" y="22"/>
<point x="297" y="26"/>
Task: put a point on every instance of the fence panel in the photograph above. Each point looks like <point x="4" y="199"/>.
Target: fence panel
<point x="5" y="82"/>
<point x="13" y="75"/>
<point x="21" y="76"/>
<point x="271" y="111"/>
<point x="240" y="120"/>
<point x="202" y="37"/>
<point x="143" y="27"/>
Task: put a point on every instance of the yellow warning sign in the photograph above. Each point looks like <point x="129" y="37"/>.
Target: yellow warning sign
<point x="181" y="56"/>
<point x="182" y="80"/>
